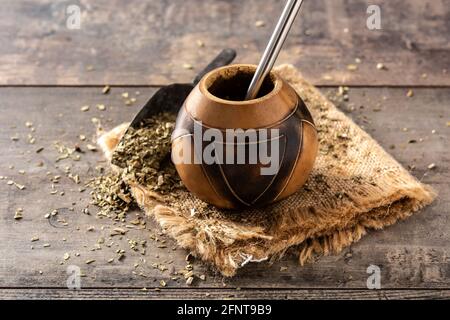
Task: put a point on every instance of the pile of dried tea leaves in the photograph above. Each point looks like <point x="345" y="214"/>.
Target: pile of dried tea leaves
<point x="150" y="143"/>
<point x="111" y="194"/>
<point x="143" y="156"/>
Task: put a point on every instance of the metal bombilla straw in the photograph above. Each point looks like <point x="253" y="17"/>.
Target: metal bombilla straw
<point x="274" y="46"/>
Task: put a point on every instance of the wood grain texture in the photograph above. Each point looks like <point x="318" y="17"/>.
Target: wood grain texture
<point x="147" y="42"/>
<point x="412" y="254"/>
<point x="223" y="294"/>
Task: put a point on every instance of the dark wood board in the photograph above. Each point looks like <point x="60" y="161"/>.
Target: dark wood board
<point x="224" y="294"/>
<point x="413" y="254"/>
<point x="147" y="42"/>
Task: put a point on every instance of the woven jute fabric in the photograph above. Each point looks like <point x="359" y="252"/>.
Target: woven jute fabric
<point x="355" y="186"/>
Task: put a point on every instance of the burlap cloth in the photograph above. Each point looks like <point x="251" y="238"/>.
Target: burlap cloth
<point x="355" y="185"/>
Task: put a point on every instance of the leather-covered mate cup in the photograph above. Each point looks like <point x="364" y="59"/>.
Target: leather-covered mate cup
<point x="234" y="153"/>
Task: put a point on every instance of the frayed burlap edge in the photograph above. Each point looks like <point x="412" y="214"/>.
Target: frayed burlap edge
<point x="220" y="243"/>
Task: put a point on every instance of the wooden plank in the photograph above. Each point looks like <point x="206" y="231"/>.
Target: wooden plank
<point x="412" y="254"/>
<point x="147" y="42"/>
<point x="201" y="294"/>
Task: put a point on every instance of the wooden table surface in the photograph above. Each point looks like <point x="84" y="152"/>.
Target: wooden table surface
<point x="47" y="72"/>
